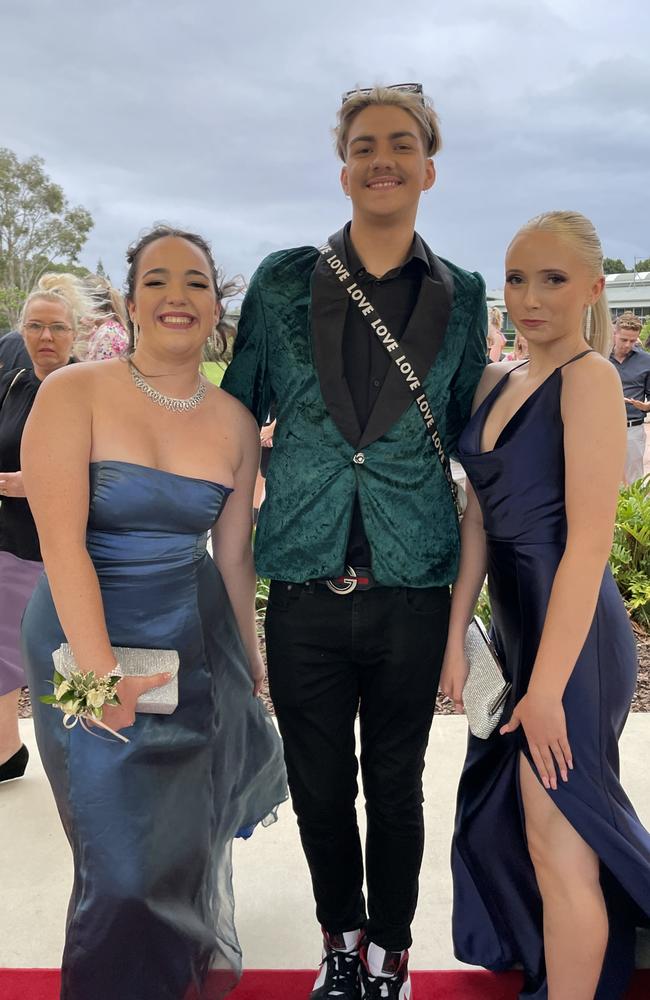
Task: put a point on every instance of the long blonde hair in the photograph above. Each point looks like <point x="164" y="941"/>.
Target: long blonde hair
<point x="577" y="230"/>
<point x="495" y="317"/>
<point x="110" y="301"/>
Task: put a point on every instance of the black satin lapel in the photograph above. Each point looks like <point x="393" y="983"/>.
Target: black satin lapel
<point x="328" y="310"/>
<point x="421" y="342"/>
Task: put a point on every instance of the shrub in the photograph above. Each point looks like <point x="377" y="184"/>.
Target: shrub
<point x="483" y="610"/>
<point x="630" y="558"/>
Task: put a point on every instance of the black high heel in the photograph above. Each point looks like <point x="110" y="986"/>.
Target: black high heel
<point x="15" y="766"/>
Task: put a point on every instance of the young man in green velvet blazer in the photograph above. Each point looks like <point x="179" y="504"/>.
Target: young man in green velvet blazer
<point x="359" y="532"/>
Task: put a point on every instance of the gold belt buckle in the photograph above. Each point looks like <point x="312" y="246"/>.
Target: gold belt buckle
<point x="348" y="582"/>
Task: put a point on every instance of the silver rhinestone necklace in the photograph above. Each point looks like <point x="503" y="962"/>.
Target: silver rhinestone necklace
<point x="169" y="402"/>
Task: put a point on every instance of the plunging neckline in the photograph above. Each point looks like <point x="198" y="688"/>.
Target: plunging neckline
<point x="493" y="394"/>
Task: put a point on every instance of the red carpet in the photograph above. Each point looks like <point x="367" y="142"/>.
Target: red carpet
<point x="43" y="984"/>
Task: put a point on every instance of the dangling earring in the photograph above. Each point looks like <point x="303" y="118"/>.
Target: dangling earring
<point x="136" y="334"/>
<point x="588" y="323"/>
<point x="214" y="339"/>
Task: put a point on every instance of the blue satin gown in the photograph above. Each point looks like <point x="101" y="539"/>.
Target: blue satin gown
<point x="151" y="823"/>
<point x="497" y="917"/>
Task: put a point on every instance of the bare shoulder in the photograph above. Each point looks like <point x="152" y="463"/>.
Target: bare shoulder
<point x="592" y="380"/>
<point x="81" y="379"/>
<point x="592" y="398"/>
<point x="491" y="375"/>
<point x="78" y="380"/>
<point x="235" y="413"/>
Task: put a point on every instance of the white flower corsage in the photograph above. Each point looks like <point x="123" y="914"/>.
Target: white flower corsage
<point x="82" y="697"/>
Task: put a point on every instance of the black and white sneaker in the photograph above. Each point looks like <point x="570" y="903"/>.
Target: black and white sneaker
<point x="338" y="976"/>
<point x="393" y="984"/>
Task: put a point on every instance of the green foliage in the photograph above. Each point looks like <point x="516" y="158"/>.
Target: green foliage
<point x="630" y="558"/>
<point x="645" y="334"/>
<point x="614" y="265"/>
<point x="483" y="609"/>
<point x="642" y="265"/>
<point x="261" y="600"/>
<point x="11" y="302"/>
<point x="78" y="269"/>
<point x="37" y="227"/>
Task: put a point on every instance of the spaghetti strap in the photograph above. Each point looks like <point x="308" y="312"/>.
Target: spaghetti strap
<point x="576" y="357"/>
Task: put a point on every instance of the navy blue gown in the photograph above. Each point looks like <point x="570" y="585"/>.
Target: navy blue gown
<point x="497" y="917"/>
<point x="151" y="822"/>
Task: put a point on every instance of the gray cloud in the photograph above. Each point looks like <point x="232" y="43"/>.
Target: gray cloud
<point x="218" y="117"/>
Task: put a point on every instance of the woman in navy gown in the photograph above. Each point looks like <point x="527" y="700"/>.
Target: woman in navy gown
<point x="124" y="488"/>
<point x="551" y="865"/>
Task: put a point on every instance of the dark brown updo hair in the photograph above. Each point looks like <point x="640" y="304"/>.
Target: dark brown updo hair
<point x="224" y="288"/>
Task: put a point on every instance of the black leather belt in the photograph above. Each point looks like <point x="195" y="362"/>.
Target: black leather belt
<point x="635" y="423"/>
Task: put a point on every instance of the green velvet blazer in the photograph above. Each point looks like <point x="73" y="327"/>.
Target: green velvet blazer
<point x="288" y="348"/>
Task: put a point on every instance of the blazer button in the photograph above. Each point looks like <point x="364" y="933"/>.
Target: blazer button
<point x="359" y="458"/>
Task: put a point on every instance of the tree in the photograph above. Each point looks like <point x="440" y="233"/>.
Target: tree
<point x="644" y="336"/>
<point x="37" y="228"/>
<point x="642" y="265"/>
<point x="614" y="265"/>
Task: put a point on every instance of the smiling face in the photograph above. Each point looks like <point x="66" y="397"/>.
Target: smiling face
<point x="174" y="300"/>
<point x="386" y="168"/>
<point x="49" y="335"/>
<point x="548" y="286"/>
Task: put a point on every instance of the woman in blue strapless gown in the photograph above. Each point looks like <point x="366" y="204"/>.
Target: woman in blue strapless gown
<point x="551" y="865"/>
<point x="151" y="822"/>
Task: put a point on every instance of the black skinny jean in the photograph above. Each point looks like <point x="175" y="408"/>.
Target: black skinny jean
<point x="378" y="652"/>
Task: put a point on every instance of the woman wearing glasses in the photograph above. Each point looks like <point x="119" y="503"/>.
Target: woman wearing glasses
<point x="49" y="325"/>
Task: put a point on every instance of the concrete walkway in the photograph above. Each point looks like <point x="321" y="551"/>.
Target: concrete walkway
<point x="274" y="907"/>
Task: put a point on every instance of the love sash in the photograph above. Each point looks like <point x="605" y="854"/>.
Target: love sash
<point x="339" y="271"/>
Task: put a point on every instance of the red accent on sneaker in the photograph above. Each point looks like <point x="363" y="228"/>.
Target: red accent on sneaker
<point x="394" y="961"/>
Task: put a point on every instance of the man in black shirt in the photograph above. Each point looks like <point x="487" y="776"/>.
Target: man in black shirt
<point x="358" y="531"/>
<point x="633" y="366"/>
<point x="365" y="361"/>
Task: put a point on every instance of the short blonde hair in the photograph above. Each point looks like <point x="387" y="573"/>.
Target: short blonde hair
<point x="418" y="106"/>
<point x="576" y="229"/>
<point x="70" y="291"/>
<point x="628" y="321"/>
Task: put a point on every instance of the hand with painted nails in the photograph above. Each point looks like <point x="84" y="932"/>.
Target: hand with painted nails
<point x="542" y="718"/>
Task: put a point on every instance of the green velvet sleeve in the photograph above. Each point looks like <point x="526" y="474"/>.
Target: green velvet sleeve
<point x="470" y="370"/>
<point x="247" y="375"/>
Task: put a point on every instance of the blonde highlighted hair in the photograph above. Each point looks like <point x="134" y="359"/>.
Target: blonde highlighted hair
<point x="628" y="321"/>
<point x="70" y="291"/>
<point x="495" y="317"/>
<point x="110" y="302"/>
<point x="418" y="106"/>
<point x="576" y="229"/>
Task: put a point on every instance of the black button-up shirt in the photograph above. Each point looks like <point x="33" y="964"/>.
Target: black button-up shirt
<point x="365" y="360"/>
<point x="634" y="372"/>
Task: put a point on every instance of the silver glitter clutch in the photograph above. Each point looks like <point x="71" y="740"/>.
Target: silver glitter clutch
<point x="486" y="689"/>
<point x="136" y="663"/>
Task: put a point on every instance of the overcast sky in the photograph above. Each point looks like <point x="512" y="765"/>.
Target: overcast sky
<point x="216" y="116"/>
